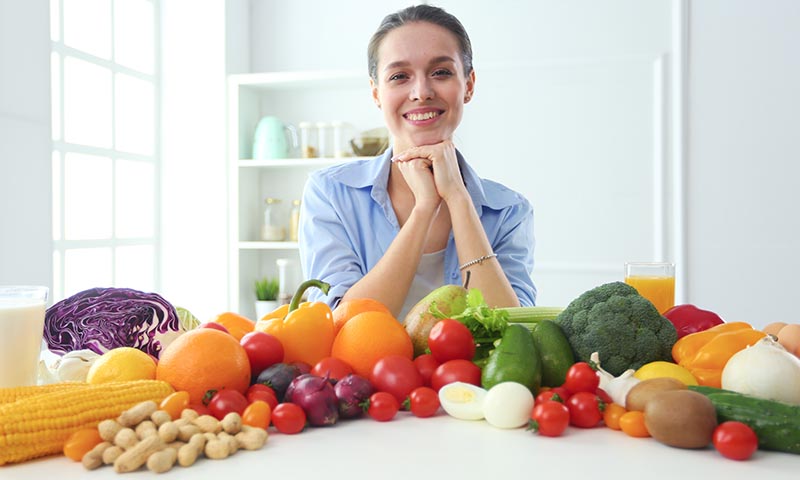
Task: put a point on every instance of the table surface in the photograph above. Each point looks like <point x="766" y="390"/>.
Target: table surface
<point x="443" y="447"/>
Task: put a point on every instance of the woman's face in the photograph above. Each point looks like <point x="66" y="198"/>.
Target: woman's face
<point x="421" y="85"/>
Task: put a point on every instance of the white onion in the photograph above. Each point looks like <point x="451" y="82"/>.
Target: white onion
<point x="764" y="370"/>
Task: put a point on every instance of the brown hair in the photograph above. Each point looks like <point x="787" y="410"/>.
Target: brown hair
<point x="419" y="13"/>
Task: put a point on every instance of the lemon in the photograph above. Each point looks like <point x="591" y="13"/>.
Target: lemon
<point x="665" y="369"/>
<point x="122" y="364"/>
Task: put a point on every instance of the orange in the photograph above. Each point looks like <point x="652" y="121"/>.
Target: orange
<point x="348" y="309"/>
<point x="237" y="325"/>
<point x="204" y="359"/>
<point x="368" y="337"/>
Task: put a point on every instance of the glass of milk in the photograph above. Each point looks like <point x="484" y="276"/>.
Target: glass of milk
<point x="22" y="323"/>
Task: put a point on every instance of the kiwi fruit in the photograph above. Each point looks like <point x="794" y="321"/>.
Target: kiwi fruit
<point x="681" y="418"/>
<point x="642" y="392"/>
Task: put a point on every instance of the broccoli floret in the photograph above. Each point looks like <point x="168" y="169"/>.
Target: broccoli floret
<point x="618" y="323"/>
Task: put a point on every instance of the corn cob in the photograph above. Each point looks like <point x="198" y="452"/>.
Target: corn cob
<point x="41" y="424"/>
<point x="11" y="395"/>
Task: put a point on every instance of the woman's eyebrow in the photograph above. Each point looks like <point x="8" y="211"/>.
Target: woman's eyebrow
<point x="433" y="61"/>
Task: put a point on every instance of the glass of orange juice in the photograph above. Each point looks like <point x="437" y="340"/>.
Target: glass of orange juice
<point x="654" y="281"/>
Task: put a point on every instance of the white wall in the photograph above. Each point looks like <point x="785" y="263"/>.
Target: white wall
<point x="744" y="158"/>
<point x="25" y="167"/>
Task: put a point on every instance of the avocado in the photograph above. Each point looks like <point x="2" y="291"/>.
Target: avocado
<point x="514" y="360"/>
<point x="554" y="351"/>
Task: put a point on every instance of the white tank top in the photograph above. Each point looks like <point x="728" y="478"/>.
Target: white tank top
<point x="429" y="276"/>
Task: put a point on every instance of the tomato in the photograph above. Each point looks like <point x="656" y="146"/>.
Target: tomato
<point x="175" y="403"/>
<point x="581" y="377"/>
<point x="735" y="440"/>
<point x="585" y="409"/>
<point x="632" y="423"/>
<point x="550" y="394"/>
<point x="263" y="350"/>
<point x="604" y="396"/>
<point x="257" y="414"/>
<point x="80" y="442"/>
<point x="289" y="418"/>
<point x="456" y="371"/>
<point x="259" y="391"/>
<point x="611" y="415"/>
<point x="199" y="408"/>
<point x="383" y="406"/>
<point x="334" y="368"/>
<point x="426" y="365"/>
<point x="451" y="340"/>
<point x="551" y="418"/>
<point x="397" y="375"/>
<point x="225" y="401"/>
<point x="424" y="402"/>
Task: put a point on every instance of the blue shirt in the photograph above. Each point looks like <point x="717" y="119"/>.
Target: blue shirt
<point x="348" y="223"/>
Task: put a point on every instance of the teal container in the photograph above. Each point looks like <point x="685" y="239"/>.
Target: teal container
<point x="273" y="139"/>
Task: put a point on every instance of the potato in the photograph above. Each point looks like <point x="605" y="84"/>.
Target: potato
<point x="681" y="418"/>
<point x="642" y="392"/>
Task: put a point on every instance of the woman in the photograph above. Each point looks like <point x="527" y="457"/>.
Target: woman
<point x="395" y="227"/>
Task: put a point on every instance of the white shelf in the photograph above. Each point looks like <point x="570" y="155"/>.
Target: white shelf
<point x="258" y="245"/>
<point x="299" y="80"/>
<point x="296" y="162"/>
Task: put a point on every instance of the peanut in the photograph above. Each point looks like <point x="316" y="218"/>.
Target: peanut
<point x="232" y="423"/>
<point x="252" y="438"/>
<point x="189" y="414"/>
<point x="207" y="423"/>
<point x="168" y="432"/>
<point x="136" y="456"/>
<point x="162" y="461"/>
<point x="126" y="438"/>
<point x="111" y="453"/>
<point x="94" y="457"/>
<point x="160" y="417"/>
<point x="230" y="440"/>
<point x="217" y="449"/>
<point x="136" y="414"/>
<point x="188" y="453"/>
<point x="185" y="432"/>
<point x="108" y="429"/>
<point x="146" y="429"/>
<point x="182" y="421"/>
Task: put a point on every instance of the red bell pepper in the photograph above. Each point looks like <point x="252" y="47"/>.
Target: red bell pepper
<point x="689" y="319"/>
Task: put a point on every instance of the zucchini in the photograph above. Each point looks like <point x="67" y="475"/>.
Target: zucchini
<point x="776" y="424"/>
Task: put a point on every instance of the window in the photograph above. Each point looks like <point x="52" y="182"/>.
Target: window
<point x="105" y="94"/>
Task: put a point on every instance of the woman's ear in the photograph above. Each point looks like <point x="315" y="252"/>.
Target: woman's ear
<point x="470" y="87"/>
<point x="374" y="87"/>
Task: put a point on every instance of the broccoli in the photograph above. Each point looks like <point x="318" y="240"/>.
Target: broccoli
<point x="618" y="323"/>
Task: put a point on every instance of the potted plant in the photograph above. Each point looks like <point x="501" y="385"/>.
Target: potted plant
<point x="266" y="296"/>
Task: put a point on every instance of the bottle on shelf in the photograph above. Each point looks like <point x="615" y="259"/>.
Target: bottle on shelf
<point x="272" y="229"/>
<point x="308" y="140"/>
<point x="322" y="139"/>
<point x="294" y="220"/>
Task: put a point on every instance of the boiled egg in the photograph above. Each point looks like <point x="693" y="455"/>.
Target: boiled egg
<point x="508" y="405"/>
<point x="463" y="401"/>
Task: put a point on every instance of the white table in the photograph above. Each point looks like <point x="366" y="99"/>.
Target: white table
<point x="441" y="447"/>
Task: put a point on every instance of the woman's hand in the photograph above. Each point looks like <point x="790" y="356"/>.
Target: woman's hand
<point x="441" y="158"/>
<point x="419" y="177"/>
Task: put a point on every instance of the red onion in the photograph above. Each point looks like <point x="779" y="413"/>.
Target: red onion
<point x="351" y="391"/>
<point x="316" y="397"/>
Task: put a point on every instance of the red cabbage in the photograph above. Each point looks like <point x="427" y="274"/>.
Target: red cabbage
<point x="100" y="319"/>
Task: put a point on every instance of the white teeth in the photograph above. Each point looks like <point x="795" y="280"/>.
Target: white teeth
<point x="422" y="116"/>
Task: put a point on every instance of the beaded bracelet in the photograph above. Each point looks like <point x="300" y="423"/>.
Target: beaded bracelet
<point x="478" y="261"/>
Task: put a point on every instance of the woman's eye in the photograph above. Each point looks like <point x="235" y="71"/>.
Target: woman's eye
<point x="442" y="72"/>
<point x="398" y="76"/>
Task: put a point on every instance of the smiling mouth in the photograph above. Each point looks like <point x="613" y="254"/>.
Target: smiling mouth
<point x="416" y="117"/>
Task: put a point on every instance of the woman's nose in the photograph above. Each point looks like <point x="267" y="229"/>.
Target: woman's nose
<point x="421" y="89"/>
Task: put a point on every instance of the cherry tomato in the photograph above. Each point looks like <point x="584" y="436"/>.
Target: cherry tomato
<point x="225" y="401"/>
<point x="632" y="423"/>
<point x="199" y="408"/>
<point x="551" y="418"/>
<point x="397" y="375"/>
<point x="263" y="350"/>
<point x="289" y="418"/>
<point x="259" y="391"/>
<point x="333" y="367"/>
<point x="426" y="365"/>
<point x="550" y="394"/>
<point x="451" y="340"/>
<point x="80" y="442"/>
<point x="257" y="414"/>
<point x="605" y="397"/>
<point x="424" y="402"/>
<point x="383" y="406"/>
<point x="735" y="440"/>
<point x="581" y="377"/>
<point x="612" y="414"/>
<point x="175" y="403"/>
<point x="456" y="371"/>
<point x="585" y="409"/>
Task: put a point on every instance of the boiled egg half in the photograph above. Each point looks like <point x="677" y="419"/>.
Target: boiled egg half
<point x="463" y="401"/>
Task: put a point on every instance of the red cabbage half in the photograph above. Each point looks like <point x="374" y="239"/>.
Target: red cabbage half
<point x="104" y="318"/>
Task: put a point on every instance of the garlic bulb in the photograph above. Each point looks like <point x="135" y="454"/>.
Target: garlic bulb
<point x="73" y="366"/>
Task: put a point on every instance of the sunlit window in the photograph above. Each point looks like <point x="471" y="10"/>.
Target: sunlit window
<point x="105" y="144"/>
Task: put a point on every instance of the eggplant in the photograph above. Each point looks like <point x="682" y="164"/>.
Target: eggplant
<point x="278" y="377"/>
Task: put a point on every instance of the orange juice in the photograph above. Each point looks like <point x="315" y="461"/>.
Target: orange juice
<point x="659" y="290"/>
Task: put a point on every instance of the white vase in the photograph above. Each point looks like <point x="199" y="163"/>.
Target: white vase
<point x="264" y="307"/>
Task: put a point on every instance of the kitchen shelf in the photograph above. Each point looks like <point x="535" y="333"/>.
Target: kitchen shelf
<point x="258" y="245"/>
<point x="296" y="162"/>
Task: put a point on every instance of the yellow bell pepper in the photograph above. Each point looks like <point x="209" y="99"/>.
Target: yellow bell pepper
<point x="706" y="353"/>
<point x="304" y="329"/>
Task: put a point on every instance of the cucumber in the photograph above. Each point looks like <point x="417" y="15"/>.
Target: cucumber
<point x="554" y="351"/>
<point x="776" y="424"/>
